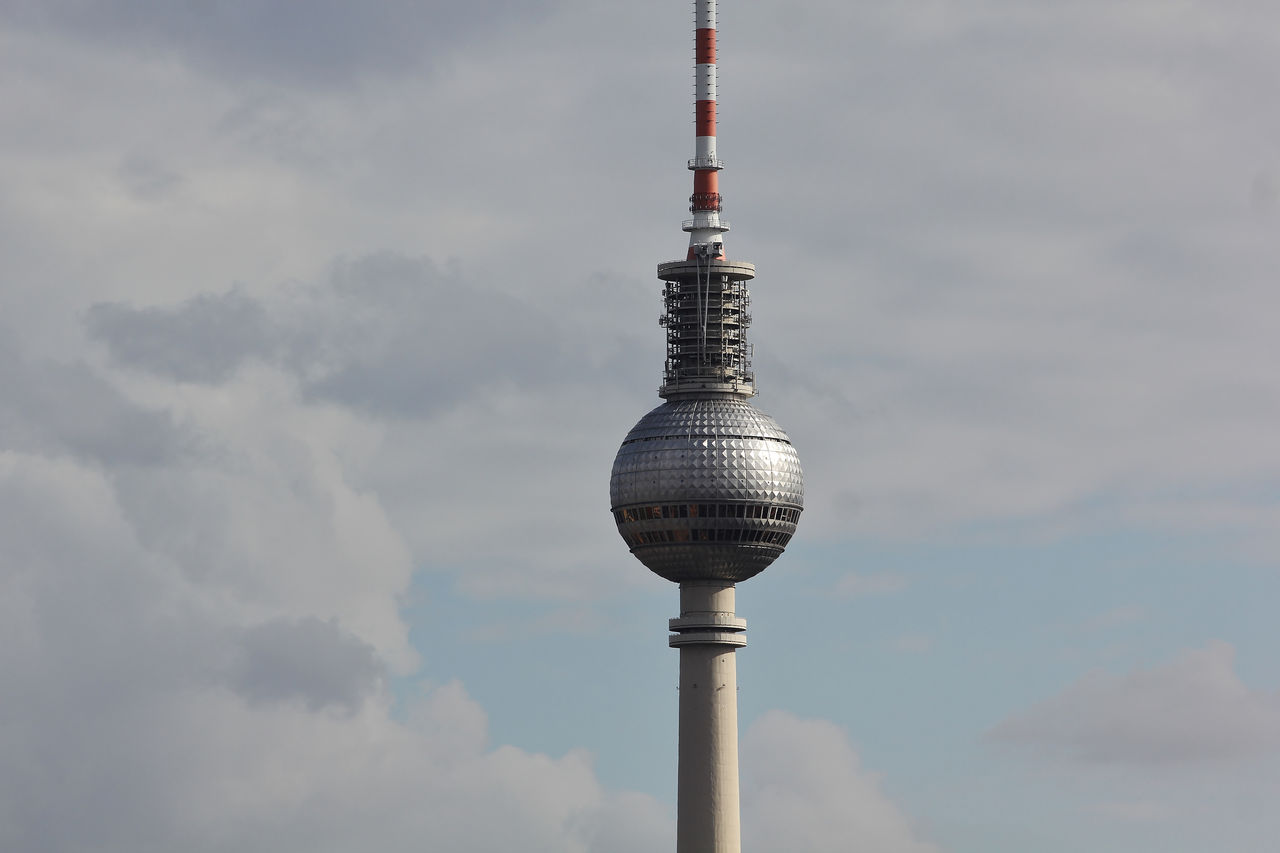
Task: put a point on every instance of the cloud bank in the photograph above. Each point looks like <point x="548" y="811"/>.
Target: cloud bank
<point x="1192" y="709"/>
<point x="804" y="788"/>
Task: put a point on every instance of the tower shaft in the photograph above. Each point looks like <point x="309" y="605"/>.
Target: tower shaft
<point x="708" y="633"/>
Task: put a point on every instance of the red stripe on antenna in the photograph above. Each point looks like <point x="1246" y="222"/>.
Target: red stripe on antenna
<point x="706" y="181"/>
<point x="705" y="52"/>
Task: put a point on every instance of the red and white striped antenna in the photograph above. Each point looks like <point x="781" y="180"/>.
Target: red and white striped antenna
<point x="705" y="228"/>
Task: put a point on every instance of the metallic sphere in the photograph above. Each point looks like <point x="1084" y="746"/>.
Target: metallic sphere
<point x="706" y="489"/>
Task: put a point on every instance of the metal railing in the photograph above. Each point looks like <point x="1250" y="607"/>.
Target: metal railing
<point x="706" y="163"/>
<point x="688" y="225"/>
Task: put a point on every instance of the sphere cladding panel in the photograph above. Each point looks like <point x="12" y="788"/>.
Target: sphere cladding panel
<point x="721" y="453"/>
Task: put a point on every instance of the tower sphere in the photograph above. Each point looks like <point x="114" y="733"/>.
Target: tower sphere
<point x="706" y="488"/>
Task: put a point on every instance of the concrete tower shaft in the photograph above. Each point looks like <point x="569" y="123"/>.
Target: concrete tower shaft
<point x="708" y="634"/>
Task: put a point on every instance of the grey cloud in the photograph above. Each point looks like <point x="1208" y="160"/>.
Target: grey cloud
<point x="52" y="407"/>
<point x="201" y="340"/>
<point x="384" y="333"/>
<point x="397" y="335"/>
<point x="310" y="43"/>
<point x="310" y="659"/>
<point x="147" y="178"/>
<point x="1193" y="709"/>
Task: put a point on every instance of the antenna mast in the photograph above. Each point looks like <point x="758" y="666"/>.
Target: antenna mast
<point x="705" y="228"/>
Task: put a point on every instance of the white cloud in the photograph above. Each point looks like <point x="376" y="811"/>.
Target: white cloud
<point x="193" y="660"/>
<point x="804" y="789"/>
<point x="203" y="770"/>
<point x="1192" y="709"/>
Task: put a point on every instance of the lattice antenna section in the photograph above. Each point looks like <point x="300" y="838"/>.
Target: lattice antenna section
<point x="707" y="314"/>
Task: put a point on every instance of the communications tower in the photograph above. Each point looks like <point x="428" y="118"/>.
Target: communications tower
<point x="706" y="490"/>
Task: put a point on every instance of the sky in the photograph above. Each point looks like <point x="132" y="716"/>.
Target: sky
<point x="320" y="327"/>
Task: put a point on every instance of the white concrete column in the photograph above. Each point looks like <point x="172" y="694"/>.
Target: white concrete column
<point x="707" y="810"/>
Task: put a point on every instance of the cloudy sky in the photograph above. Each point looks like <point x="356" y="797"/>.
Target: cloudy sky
<point x="319" y="331"/>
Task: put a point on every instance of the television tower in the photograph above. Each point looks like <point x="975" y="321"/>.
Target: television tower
<point x="706" y="490"/>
